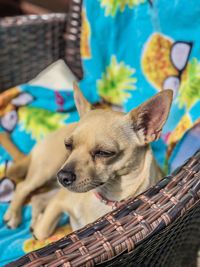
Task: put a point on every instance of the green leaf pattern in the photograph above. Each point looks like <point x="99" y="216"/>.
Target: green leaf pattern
<point x="112" y="6"/>
<point x="39" y="122"/>
<point x="115" y="82"/>
<point x="189" y="91"/>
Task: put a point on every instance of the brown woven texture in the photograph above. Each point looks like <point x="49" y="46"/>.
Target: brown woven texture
<point x="28" y="44"/>
<point x="158" y="228"/>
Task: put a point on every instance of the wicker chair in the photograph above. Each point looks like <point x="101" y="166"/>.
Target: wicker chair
<point x="159" y="227"/>
<point x="28" y="44"/>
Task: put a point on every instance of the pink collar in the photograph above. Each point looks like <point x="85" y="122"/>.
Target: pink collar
<point x="108" y="202"/>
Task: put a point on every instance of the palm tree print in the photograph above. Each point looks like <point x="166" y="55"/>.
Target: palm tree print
<point x="115" y="82"/>
<point x="39" y="122"/>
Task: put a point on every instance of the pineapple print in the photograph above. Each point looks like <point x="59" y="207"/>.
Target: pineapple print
<point x="156" y="63"/>
<point x="189" y="91"/>
<point x="85" y="36"/>
<point x="39" y="122"/>
<point x="112" y="6"/>
<point x="115" y="82"/>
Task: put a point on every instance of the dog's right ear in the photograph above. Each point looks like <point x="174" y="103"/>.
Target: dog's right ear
<point x="82" y="105"/>
<point x="149" y="118"/>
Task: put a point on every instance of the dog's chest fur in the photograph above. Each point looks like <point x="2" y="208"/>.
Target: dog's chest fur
<point x="87" y="212"/>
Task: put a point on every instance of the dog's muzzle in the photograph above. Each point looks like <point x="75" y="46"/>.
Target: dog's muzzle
<point x="66" y="178"/>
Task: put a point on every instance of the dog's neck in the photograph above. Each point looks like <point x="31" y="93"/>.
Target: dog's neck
<point x="133" y="183"/>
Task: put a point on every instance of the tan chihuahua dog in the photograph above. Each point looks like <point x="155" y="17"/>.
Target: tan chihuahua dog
<point x="105" y="157"/>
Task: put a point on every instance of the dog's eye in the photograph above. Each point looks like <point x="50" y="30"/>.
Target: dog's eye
<point x="68" y="146"/>
<point x="105" y="154"/>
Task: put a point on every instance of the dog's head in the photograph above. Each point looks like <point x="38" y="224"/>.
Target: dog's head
<point x="107" y="144"/>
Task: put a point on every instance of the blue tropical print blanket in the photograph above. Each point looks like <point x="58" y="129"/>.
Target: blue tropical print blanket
<point x="130" y="49"/>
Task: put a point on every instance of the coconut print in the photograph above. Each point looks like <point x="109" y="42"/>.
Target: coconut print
<point x="115" y="82"/>
<point x="85" y="36"/>
<point x="190" y="87"/>
<point x="39" y="122"/>
<point x="112" y="6"/>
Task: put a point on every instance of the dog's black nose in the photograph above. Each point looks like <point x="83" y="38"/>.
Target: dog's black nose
<point x="66" y="178"/>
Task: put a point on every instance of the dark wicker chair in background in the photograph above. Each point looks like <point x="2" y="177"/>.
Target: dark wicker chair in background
<point x="158" y="228"/>
<point x="28" y="44"/>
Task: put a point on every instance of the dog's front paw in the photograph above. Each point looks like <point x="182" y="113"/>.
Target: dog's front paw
<point x="39" y="233"/>
<point x="38" y="207"/>
<point x="12" y="218"/>
<point x="41" y="230"/>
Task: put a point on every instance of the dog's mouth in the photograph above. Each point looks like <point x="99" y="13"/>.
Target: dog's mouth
<point x="83" y="187"/>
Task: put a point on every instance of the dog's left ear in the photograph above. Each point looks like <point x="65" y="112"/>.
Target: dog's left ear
<point x="82" y="105"/>
<point x="148" y="119"/>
